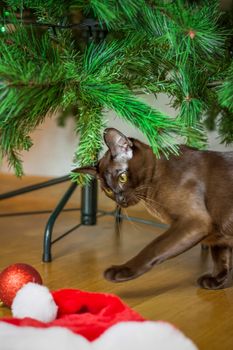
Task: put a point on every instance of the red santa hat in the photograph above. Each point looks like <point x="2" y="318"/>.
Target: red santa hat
<point x="78" y="320"/>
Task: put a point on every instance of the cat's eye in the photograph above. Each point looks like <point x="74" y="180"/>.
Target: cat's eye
<point x="108" y="191"/>
<point x="123" y="178"/>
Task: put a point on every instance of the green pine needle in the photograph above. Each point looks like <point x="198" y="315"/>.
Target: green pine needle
<point x="150" y="46"/>
<point x="90" y="127"/>
<point x="150" y="121"/>
<point x="225" y="93"/>
<point x="190" y="111"/>
<point x="225" y="126"/>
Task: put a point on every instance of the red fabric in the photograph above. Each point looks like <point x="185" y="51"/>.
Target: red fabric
<point x="85" y="313"/>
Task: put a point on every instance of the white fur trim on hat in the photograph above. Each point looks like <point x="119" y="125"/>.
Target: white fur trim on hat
<point x="124" y="336"/>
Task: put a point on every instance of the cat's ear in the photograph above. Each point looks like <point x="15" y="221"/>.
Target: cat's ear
<point x="91" y="170"/>
<point x="119" y="145"/>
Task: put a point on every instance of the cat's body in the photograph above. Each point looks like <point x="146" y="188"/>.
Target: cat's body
<point x="192" y="192"/>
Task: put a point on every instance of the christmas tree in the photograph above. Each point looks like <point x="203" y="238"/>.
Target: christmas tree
<point x="82" y="57"/>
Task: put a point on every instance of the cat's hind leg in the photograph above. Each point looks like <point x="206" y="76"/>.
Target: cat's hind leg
<point x="222" y="257"/>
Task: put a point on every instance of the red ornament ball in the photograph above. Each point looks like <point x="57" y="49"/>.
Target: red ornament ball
<point x="14" y="277"/>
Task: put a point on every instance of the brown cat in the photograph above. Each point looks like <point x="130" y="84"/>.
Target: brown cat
<point x="192" y="192"/>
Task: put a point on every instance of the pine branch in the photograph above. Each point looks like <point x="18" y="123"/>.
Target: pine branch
<point x="225" y="126"/>
<point x="151" y="122"/>
<point x="190" y="87"/>
<point x="194" y="33"/>
<point x="115" y="13"/>
<point x="156" y="46"/>
<point x="28" y="91"/>
<point x="225" y="93"/>
<point x="90" y="127"/>
<point x="44" y="9"/>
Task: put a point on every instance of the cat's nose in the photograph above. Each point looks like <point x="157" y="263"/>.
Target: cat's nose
<point x="121" y="199"/>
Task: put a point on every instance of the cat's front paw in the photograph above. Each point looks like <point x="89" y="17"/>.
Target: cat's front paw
<point x="119" y="273"/>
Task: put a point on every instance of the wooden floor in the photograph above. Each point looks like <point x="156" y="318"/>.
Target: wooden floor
<point x="168" y="292"/>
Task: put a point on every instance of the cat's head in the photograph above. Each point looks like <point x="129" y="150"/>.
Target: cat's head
<point x="120" y="170"/>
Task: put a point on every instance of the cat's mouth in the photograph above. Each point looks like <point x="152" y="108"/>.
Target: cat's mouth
<point x="128" y="203"/>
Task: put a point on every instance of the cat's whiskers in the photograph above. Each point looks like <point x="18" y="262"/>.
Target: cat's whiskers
<point x="144" y="188"/>
<point x="149" y="203"/>
<point x="147" y="199"/>
<point x="151" y="208"/>
<point x="135" y="226"/>
<point x="144" y="204"/>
